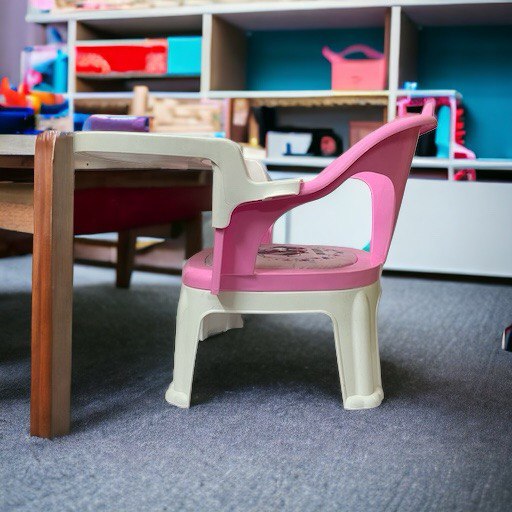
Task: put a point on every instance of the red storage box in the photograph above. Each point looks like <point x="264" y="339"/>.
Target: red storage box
<point x="129" y="56"/>
<point x="358" y="74"/>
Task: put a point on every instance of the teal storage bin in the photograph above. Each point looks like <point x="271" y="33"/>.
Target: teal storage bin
<point x="184" y="55"/>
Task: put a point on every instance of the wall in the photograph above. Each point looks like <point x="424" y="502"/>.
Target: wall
<point x="477" y="61"/>
<point x="15" y="34"/>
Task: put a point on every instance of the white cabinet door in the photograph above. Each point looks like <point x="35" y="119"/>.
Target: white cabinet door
<point x="444" y="226"/>
<point x="454" y="227"/>
<point x="342" y="218"/>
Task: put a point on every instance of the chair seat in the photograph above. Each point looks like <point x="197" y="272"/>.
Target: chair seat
<point x="282" y="267"/>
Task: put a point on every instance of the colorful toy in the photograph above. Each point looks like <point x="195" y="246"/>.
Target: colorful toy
<point x="450" y="130"/>
<point x="45" y="67"/>
<point x="246" y="273"/>
<point x="449" y="135"/>
<point x="30" y="111"/>
<point x="184" y="55"/>
<point x="107" y="123"/>
<point x="357" y="74"/>
<point x="184" y="116"/>
<point x="293" y="141"/>
<point x="129" y="56"/>
<point x="15" y="120"/>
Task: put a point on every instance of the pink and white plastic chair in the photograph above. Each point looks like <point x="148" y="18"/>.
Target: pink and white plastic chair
<point x="245" y="273"/>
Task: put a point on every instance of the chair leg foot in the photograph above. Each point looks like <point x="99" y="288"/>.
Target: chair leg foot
<point x="364" y="401"/>
<point x="357" y="351"/>
<point x="177" y="398"/>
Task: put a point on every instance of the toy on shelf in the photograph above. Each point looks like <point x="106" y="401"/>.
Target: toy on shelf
<point x="45" y="67"/>
<point x="183" y="116"/>
<point x="357" y="74"/>
<point x="291" y="141"/>
<point x="172" y="56"/>
<point x="94" y="5"/>
<point x="144" y="56"/>
<point x="184" y="55"/>
<point x="105" y="123"/>
<point x="449" y="135"/>
<point x="360" y="129"/>
<point x="29" y="110"/>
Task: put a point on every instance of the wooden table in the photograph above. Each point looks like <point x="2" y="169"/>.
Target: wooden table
<point x="37" y="184"/>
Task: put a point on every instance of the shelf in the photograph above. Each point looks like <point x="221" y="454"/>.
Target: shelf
<point x="486" y="164"/>
<point x="129" y="76"/>
<point x="418" y="162"/>
<point x="421" y="11"/>
<point x="299" y="161"/>
<point x="431" y="93"/>
<point x="298" y="94"/>
<point x="129" y="95"/>
<point x="306" y="98"/>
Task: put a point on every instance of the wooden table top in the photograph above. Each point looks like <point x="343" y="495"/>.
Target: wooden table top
<point x="24" y="146"/>
<point x="17" y="145"/>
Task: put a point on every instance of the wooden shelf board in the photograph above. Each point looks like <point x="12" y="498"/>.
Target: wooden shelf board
<point x="129" y="95"/>
<point x="297" y="94"/>
<point x="421" y="11"/>
<point x="129" y="76"/>
<point x="434" y="93"/>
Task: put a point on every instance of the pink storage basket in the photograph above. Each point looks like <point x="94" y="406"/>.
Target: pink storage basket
<point x="359" y="74"/>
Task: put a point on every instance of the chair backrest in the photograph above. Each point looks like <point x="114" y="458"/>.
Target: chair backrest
<point x="382" y="160"/>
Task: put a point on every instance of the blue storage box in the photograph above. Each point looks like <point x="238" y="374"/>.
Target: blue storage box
<point x="184" y="55"/>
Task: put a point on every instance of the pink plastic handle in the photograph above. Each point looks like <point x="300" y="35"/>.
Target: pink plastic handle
<point x="355" y="48"/>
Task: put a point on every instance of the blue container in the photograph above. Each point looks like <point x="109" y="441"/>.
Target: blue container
<point x="184" y="55"/>
<point x="17" y="120"/>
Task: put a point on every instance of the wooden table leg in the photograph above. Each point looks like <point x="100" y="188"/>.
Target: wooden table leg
<point x="52" y="285"/>
<point x="126" y="249"/>
<point x="193" y="236"/>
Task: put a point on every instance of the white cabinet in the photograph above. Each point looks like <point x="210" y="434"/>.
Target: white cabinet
<point x="444" y="226"/>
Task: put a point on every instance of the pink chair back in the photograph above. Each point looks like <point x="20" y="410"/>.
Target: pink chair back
<point x="382" y="160"/>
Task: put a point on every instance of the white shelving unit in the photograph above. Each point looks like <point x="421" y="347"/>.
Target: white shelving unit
<point x="445" y="226"/>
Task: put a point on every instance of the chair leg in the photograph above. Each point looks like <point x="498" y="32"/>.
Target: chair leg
<point x="355" y="334"/>
<point x="126" y="248"/>
<point x="200" y="315"/>
<point x="188" y="323"/>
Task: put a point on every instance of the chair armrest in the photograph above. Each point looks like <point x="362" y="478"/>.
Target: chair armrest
<point x="232" y="184"/>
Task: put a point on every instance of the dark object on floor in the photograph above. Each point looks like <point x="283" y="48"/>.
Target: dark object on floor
<point x="13" y="243"/>
<point x="506" y="342"/>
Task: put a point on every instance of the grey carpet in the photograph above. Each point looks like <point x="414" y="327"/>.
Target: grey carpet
<point x="267" y="431"/>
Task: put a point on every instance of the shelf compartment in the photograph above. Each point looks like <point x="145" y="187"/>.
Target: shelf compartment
<point x="266" y="60"/>
<point x="91" y="84"/>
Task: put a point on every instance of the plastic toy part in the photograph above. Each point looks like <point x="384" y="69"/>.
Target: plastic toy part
<point x="358" y="74"/>
<point x="184" y="55"/>
<point x="245" y="273"/>
<point x="443" y="132"/>
<point x="107" y="123"/>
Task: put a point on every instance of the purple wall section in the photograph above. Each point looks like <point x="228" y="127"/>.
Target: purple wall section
<point x="15" y="34"/>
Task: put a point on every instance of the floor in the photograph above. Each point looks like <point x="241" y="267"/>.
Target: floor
<point x="266" y="431"/>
